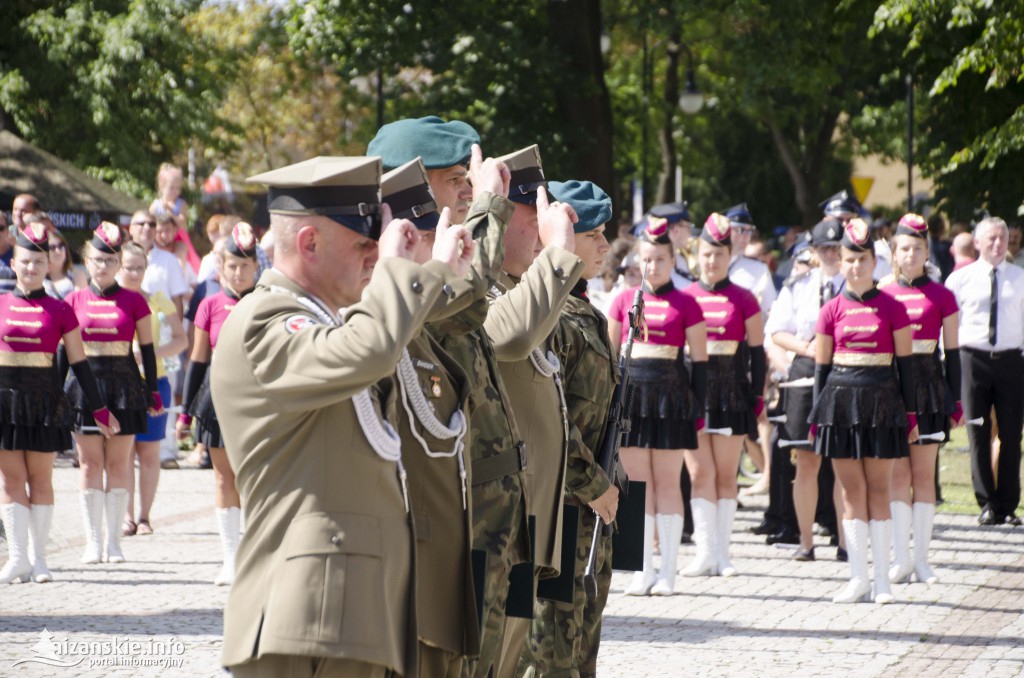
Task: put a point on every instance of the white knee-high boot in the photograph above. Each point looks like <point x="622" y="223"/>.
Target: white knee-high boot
<point x="227" y="525"/>
<point x="92" y="516"/>
<point x="116" y="503"/>
<point x="670" y="532"/>
<point x="924" y="519"/>
<point x="705" y="528"/>
<point x="18" y="568"/>
<point x="726" y="514"/>
<point x="38" y="535"/>
<point x="644" y="580"/>
<point x="902" y="567"/>
<point x="858" y="589"/>
<point x="881" y="543"/>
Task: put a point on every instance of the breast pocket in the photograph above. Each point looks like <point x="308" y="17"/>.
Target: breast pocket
<point x="329" y="581"/>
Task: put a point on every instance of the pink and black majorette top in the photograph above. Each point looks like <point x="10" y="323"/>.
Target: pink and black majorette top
<point x="108" y="317"/>
<point x="927" y="304"/>
<point x="717" y="230"/>
<point x="33" y="237"/>
<point x="33" y="324"/>
<point x="107" y="238"/>
<point x="913" y="225"/>
<point x="862" y="325"/>
<point x="726" y="308"/>
<point x="668" y="313"/>
<point x="213" y="311"/>
<point x="242" y="242"/>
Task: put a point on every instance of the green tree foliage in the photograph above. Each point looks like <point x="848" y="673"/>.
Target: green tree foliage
<point x="966" y="58"/>
<point x="115" y="86"/>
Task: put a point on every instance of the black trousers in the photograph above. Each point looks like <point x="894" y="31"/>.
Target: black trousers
<point x="994" y="379"/>
<point x="781" y="510"/>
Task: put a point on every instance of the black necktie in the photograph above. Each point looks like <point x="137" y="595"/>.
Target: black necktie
<point x="826" y="293"/>
<point x="993" y="313"/>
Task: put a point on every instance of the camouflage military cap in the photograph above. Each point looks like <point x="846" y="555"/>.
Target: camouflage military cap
<point x="344" y="189"/>
<point x="527" y="175"/>
<point x="592" y="205"/>
<point x="406" y="191"/>
<point x="441" y="144"/>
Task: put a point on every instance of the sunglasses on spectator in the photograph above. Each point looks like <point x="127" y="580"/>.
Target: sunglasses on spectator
<point x="151" y="224"/>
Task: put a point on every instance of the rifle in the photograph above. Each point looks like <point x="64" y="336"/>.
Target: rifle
<point x="618" y="424"/>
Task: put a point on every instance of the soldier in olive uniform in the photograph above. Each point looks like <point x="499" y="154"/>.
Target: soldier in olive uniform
<point x="323" y="581"/>
<point x="433" y="422"/>
<point x="564" y="637"/>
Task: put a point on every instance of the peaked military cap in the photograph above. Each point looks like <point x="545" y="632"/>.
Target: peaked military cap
<point x="739" y="215"/>
<point x="406" y="191"/>
<point x="673" y="211"/>
<point x="592" y="205"/>
<point x="527" y="175"/>
<point x="828" y="231"/>
<point x="441" y="144"/>
<point x="343" y="189"/>
<point x="839" y="205"/>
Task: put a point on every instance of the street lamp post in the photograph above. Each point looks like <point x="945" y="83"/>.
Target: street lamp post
<point x="691" y="101"/>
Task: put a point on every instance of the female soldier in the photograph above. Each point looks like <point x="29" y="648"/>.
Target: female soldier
<point x="111" y="317"/>
<point x="933" y="310"/>
<point x="35" y="416"/>
<point x="859" y="420"/>
<point x="237" y="278"/>
<point x="666" y="407"/>
<point x="733" y="318"/>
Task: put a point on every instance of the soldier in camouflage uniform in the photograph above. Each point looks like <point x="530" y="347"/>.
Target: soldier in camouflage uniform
<point x="564" y="637"/>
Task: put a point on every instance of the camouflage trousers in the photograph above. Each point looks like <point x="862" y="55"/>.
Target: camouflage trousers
<point x="564" y="638"/>
<point x="499" y="529"/>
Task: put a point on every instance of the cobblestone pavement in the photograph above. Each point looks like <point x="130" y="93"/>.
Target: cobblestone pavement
<point x="772" y="619"/>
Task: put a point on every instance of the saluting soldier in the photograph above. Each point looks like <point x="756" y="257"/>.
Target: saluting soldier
<point x="564" y="637"/>
<point x="323" y="580"/>
<point x="433" y="415"/>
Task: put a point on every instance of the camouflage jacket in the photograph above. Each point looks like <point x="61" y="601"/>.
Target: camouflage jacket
<point x="589" y="373"/>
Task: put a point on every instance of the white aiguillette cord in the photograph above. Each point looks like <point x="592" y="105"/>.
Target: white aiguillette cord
<point x="549" y="366"/>
<point x="378" y="432"/>
<point x="417" y="408"/>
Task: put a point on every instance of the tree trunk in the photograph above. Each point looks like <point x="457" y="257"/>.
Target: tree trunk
<point x="666" y="141"/>
<point x="574" y="29"/>
<point x="805" y="171"/>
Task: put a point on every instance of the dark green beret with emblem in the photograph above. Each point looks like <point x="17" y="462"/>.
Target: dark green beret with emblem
<point x="441" y="144"/>
<point x="592" y="205"/>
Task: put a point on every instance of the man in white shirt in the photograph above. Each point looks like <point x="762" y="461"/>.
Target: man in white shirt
<point x="748" y="273"/>
<point x="163" y="273"/>
<point x="990" y="293"/>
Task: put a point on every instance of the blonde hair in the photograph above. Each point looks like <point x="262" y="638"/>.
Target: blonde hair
<point x="897" y="270"/>
<point x="166" y="168"/>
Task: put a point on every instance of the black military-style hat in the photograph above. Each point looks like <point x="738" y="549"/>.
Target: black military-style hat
<point x="107" y="238"/>
<point x="33" y="236"/>
<point x="857" y="236"/>
<point x="739" y="215"/>
<point x="839" y="205"/>
<point x="913" y="225"/>
<point x="242" y="242"/>
<point x="343" y="189"/>
<point x="672" y="211"/>
<point x="407" y="192"/>
<point x="828" y="231"/>
<point x="527" y="175"/>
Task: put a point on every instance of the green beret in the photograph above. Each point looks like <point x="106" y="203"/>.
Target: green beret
<point x="441" y="144"/>
<point x="592" y="205"/>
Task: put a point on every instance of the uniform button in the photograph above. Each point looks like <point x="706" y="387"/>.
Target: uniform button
<point x="559" y="272"/>
<point x="417" y="287"/>
<point x="448" y="291"/>
<point x="335" y="540"/>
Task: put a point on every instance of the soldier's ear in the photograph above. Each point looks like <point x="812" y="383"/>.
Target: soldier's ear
<point x="307" y="239"/>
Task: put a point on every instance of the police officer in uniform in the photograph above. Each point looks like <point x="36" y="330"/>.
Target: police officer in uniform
<point x="564" y="637"/>
<point x="323" y="580"/>
<point x="680" y="228"/>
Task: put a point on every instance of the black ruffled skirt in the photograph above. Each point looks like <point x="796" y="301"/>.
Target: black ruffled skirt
<point x="935" y="403"/>
<point x="122" y="390"/>
<point x="860" y="415"/>
<point x="731" y="398"/>
<point x="662" y="409"/>
<point x="207" y="426"/>
<point x="34" y="412"/>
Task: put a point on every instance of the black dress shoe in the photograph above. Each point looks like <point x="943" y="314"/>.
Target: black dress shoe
<point x="686" y="539"/>
<point x="765" y="527"/>
<point x="988" y="517"/>
<point x="841" y="555"/>
<point x="784" y="536"/>
<point x="804" y="555"/>
<point x="1012" y="520"/>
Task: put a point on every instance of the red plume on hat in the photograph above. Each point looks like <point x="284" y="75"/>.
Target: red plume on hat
<point x="242" y="242"/>
<point x="107" y="238"/>
<point x="656" y="231"/>
<point x="912" y="224"/>
<point x="717" y="229"/>
<point x="33" y="236"/>
<point x="858" y="233"/>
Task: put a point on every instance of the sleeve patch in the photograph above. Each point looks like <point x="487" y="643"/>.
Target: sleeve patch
<point x="298" y="322"/>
